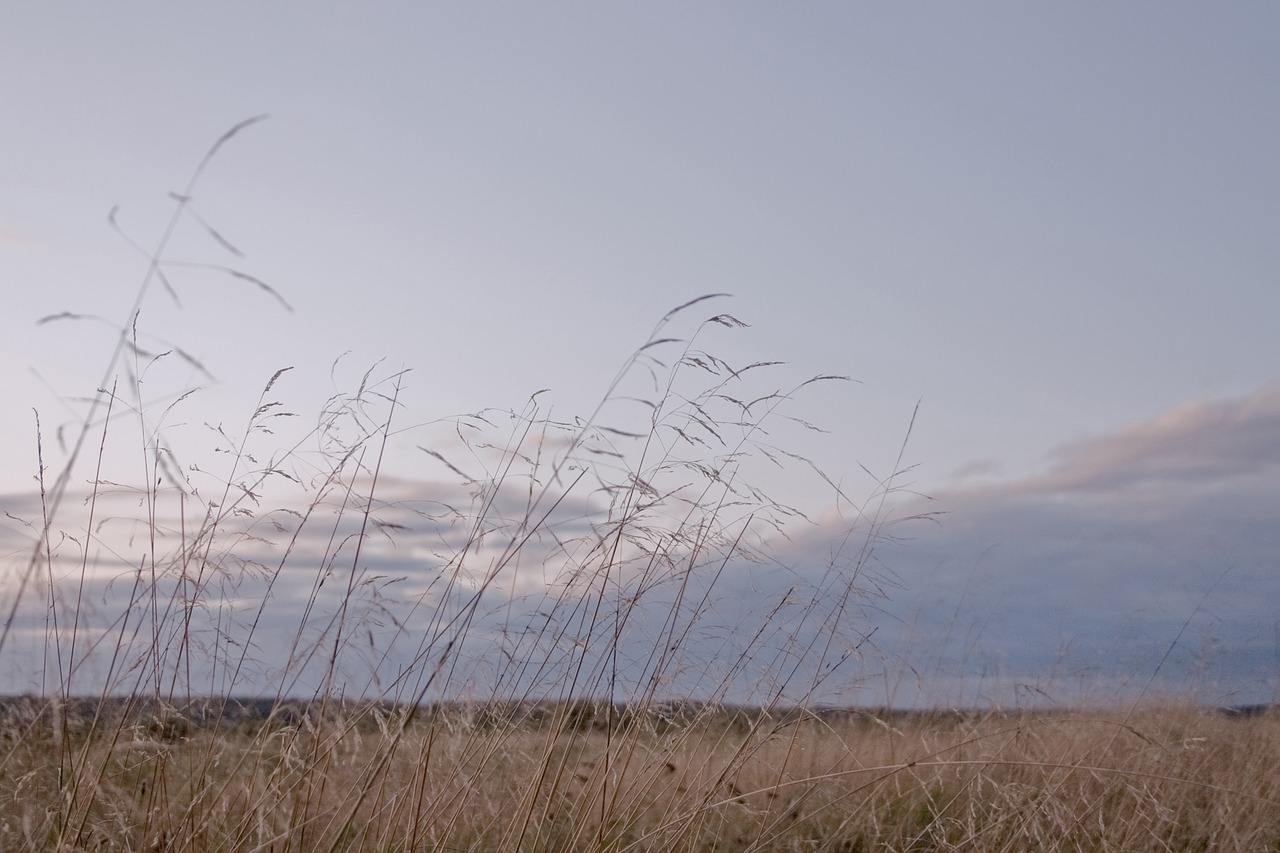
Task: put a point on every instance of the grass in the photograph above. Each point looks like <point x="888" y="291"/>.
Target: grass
<point x="695" y="778"/>
<point x="575" y="662"/>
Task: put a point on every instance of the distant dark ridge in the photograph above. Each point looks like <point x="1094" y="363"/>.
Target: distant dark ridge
<point x="173" y="719"/>
<point x="1245" y="710"/>
<point x="196" y="712"/>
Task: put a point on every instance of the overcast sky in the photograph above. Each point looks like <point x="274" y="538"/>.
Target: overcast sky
<point x="1051" y="226"/>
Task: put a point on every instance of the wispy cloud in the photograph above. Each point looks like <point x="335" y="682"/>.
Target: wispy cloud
<point x="11" y="239"/>
<point x="1198" y="443"/>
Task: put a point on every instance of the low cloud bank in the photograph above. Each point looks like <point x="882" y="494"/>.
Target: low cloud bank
<point x="1142" y="562"/>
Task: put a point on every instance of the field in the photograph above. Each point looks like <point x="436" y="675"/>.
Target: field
<point x="240" y="776"/>
<point x="588" y="640"/>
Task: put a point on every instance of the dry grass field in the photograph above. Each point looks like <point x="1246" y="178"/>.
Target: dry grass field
<point x="581" y="777"/>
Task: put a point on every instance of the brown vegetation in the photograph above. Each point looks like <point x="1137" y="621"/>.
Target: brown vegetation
<point x="565" y="778"/>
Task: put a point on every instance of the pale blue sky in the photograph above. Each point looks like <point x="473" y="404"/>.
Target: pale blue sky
<point x="1047" y="223"/>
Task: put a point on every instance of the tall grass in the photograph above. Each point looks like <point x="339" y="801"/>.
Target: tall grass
<point x="569" y="654"/>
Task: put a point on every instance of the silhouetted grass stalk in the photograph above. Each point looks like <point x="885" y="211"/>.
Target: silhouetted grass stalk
<point x="616" y="702"/>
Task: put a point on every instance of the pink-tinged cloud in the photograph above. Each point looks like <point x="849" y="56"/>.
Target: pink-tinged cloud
<point x="11" y="239"/>
<point x="1196" y="442"/>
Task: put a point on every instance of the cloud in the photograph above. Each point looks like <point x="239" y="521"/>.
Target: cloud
<point x="1141" y="562"/>
<point x="1198" y="442"/>
<point x="10" y="239"/>
<point x="1160" y="537"/>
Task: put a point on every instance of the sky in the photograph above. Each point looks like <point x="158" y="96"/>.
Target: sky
<point x="1038" y="239"/>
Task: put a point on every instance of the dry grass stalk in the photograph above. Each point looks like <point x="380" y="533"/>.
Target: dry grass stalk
<point x="520" y="715"/>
